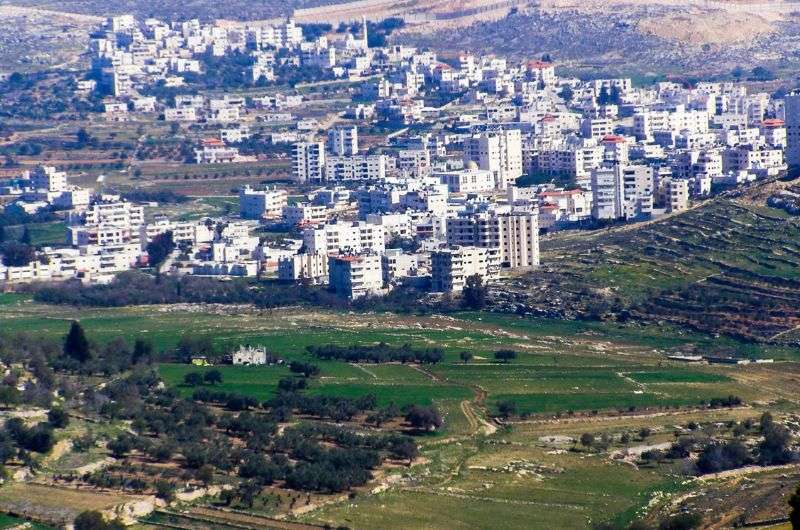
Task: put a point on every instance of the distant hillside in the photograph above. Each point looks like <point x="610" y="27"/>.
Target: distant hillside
<point x="683" y="37"/>
<point x="730" y="266"/>
<point x="589" y="37"/>
<point x="181" y="10"/>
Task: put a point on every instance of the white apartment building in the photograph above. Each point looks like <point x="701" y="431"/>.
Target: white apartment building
<point x="498" y="151"/>
<point x="308" y="162"/>
<point x="261" y="204"/>
<point x="304" y="215"/>
<point x="597" y="127"/>
<point x="395" y="224"/>
<point x="234" y="135"/>
<point x="48" y="179"/>
<point x="606" y="193"/>
<point x="102" y="235"/>
<point x="214" y="151"/>
<point x="774" y="133"/>
<point x="792" y="117"/>
<point x="646" y="123"/>
<point x="343" y="140"/>
<point x="451" y="267"/>
<point x="676" y="194"/>
<point x="241" y="268"/>
<point x="415" y="163"/>
<point x="623" y="85"/>
<point x="110" y="210"/>
<point x="622" y="192"/>
<point x="355" y="276"/>
<point x="188" y="114"/>
<point x="563" y="206"/>
<point x="468" y="180"/>
<point x="190" y="232"/>
<point x="763" y="161"/>
<point x="513" y="235"/>
<point x="397" y="265"/>
<point x="372" y="167"/>
<point x="89" y="263"/>
<point x="312" y="267"/>
<point x="638" y="191"/>
<point x="519" y="239"/>
<point x="574" y="159"/>
<point x="354" y="237"/>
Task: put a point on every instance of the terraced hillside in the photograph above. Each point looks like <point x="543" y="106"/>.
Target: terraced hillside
<point x="724" y="267"/>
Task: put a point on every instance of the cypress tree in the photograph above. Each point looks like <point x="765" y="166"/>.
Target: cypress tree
<point x="76" y="345"/>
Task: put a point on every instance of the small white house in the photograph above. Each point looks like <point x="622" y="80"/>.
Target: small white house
<point x="248" y="355"/>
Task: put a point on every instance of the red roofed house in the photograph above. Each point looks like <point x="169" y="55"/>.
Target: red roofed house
<point x="215" y="151"/>
<point x="542" y="71"/>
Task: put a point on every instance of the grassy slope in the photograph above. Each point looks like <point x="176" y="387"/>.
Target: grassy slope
<point x="723" y="267"/>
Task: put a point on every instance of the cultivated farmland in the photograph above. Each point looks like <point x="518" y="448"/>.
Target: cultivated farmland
<point x="569" y="377"/>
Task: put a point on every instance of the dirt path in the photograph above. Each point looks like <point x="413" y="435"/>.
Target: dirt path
<point x="426" y="373"/>
<point x="476" y="422"/>
<point x="784" y="332"/>
<point x="61" y="448"/>
<point x="470" y="415"/>
<point x="365" y="370"/>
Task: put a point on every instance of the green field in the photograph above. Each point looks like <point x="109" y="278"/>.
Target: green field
<point x="41" y="234"/>
<point x="677" y="376"/>
<point x="561" y="366"/>
<point x="579" y="491"/>
<point x="9" y="521"/>
<point x="396" y="384"/>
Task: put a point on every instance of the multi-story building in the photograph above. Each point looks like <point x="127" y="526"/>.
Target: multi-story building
<point x="498" y="151"/>
<point x="468" y="180"/>
<point x="451" y="267"/>
<point x="397" y="265"/>
<point x="343" y="140"/>
<point x="792" y="115"/>
<point x="622" y="192"/>
<point x="359" y="167"/>
<point x="215" y="151"/>
<point x="308" y="162"/>
<point x="574" y="159"/>
<point x="304" y="215"/>
<point x="514" y="236"/>
<point x="414" y="162"/>
<point x="311" y="267"/>
<point x="48" y="179"/>
<point x="261" y="204"/>
<point x="607" y="193"/>
<point x="676" y="194"/>
<point x="101" y="235"/>
<point x="355" y="276"/>
<point x="355" y="237"/>
<point x="110" y="210"/>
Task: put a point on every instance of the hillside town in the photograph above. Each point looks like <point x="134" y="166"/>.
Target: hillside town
<point x="485" y="156"/>
<point x="367" y="264"/>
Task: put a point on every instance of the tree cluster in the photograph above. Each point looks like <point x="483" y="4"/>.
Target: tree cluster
<point x="378" y="353"/>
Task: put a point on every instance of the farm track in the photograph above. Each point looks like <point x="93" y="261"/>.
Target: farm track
<point x="476" y="422"/>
